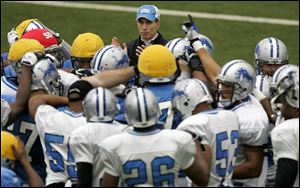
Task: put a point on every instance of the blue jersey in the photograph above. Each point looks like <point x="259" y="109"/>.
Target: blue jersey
<point x="9" y="178"/>
<point x="68" y="64"/>
<point x="25" y="128"/>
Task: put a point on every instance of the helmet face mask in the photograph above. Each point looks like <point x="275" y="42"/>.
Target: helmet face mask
<point x="285" y="86"/>
<point x="240" y="75"/>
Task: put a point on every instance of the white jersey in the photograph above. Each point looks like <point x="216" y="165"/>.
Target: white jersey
<point x="67" y="79"/>
<point x="285" y="139"/>
<point x="148" y="159"/>
<point x="84" y="145"/>
<point x="54" y="128"/>
<point x="219" y="129"/>
<point x="254" y="123"/>
<point x="8" y="87"/>
<point x="263" y="83"/>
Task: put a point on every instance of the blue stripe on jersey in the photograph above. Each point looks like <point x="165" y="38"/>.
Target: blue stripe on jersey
<point x="261" y="83"/>
<point x="212" y="111"/>
<point x="104" y="103"/>
<point x="9" y="83"/>
<point x="143" y="133"/>
<point x="242" y="104"/>
<point x="66" y="110"/>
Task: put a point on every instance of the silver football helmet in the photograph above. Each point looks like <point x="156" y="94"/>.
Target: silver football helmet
<point x="110" y="57"/>
<point x="179" y="47"/>
<point x="285" y="83"/>
<point x="46" y="77"/>
<point x="187" y="94"/>
<point x="240" y="75"/>
<point x="100" y="105"/>
<point x="270" y="51"/>
<point x="141" y="108"/>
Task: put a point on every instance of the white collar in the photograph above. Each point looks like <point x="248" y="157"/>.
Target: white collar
<point x="148" y="42"/>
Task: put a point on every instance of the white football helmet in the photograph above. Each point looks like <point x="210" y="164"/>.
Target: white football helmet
<point x="141" y="108"/>
<point x="110" y="57"/>
<point x="100" y="105"/>
<point x="241" y="76"/>
<point x="179" y="47"/>
<point x="46" y="77"/>
<point x="285" y="83"/>
<point x="270" y="51"/>
<point x="187" y="94"/>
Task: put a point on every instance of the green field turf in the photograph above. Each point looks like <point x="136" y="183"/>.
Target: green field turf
<point x="231" y="39"/>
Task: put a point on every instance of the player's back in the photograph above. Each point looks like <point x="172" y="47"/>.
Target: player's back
<point x="55" y="127"/>
<point x="149" y="158"/>
<point x="84" y="143"/>
<point x="220" y="130"/>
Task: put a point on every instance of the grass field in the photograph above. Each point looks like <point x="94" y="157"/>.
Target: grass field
<point x="231" y="39"/>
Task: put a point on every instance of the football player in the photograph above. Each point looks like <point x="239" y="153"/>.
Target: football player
<point x="219" y="129"/>
<point x="285" y="136"/>
<point x="146" y="155"/>
<point x="55" y="127"/>
<point x="99" y="109"/>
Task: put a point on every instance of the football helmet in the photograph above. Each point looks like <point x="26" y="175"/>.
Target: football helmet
<point x="7" y="156"/>
<point x="270" y="51"/>
<point x="84" y="48"/>
<point x="187" y="94"/>
<point x="179" y="47"/>
<point x="156" y="64"/>
<point x="285" y="83"/>
<point x="50" y="43"/>
<point x="141" y="108"/>
<point x="100" y="105"/>
<point x="22" y="46"/>
<point x="28" y="25"/>
<point x="241" y="76"/>
<point x="46" y="77"/>
<point x="110" y="57"/>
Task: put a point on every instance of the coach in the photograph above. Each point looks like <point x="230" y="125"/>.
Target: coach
<point x="148" y="22"/>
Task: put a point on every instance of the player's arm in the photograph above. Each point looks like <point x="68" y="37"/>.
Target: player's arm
<point x="23" y="94"/>
<point x="199" y="170"/>
<point x="286" y="173"/>
<point x="109" y="180"/>
<point x="84" y="174"/>
<point x="34" y="180"/>
<point x="38" y="100"/>
<point x="111" y="78"/>
<point x="252" y="166"/>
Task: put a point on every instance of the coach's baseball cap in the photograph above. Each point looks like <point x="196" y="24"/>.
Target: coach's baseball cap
<point x="78" y="90"/>
<point x="150" y="12"/>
